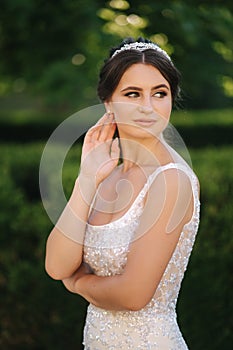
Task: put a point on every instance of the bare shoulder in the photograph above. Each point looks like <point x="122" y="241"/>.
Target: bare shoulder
<point x="169" y="203"/>
<point x="173" y="180"/>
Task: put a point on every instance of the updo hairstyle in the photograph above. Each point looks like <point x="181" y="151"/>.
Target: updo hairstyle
<point x="114" y="68"/>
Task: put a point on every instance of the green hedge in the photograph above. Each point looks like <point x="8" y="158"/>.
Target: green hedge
<point x="198" y="128"/>
<point x="206" y="305"/>
<point x="38" y="313"/>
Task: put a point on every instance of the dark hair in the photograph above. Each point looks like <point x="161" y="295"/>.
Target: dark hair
<point x="114" y="68"/>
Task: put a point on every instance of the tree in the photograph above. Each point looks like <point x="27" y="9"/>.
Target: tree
<point x="55" y="50"/>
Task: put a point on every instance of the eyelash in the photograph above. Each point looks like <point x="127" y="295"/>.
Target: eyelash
<point x="162" y="93"/>
<point x="129" y="94"/>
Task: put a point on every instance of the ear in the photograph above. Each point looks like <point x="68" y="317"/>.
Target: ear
<point x="108" y="107"/>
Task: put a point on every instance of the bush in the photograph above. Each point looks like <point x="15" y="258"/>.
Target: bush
<point x="205" y="305"/>
<point x="35" y="311"/>
<point x="198" y="128"/>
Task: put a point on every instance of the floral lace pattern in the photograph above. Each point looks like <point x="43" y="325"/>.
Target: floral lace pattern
<point x="105" y="250"/>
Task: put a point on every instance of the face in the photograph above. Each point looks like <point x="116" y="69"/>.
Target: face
<point x="142" y="102"/>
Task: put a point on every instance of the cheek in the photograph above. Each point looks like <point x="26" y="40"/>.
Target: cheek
<point x="169" y="105"/>
<point x="166" y="108"/>
<point x="160" y="126"/>
<point x="123" y="111"/>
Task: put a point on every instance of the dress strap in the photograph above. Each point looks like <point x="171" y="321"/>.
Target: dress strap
<point x="185" y="168"/>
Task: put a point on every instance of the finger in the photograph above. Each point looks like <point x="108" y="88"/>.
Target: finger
<point x="115" y="150"/>
<point x="108" y="129"/>
<point x="95" y="131"/>
<point x="103" y="119"/>
<point x="111" y="132"/>
<point x="100" y="131"/>
<point x="91" y="134"/>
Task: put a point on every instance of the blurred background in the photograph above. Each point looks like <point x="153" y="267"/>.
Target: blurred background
<point x="51" y="53"/>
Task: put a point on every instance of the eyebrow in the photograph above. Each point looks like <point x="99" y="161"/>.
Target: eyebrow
<point x="135" y="88"/>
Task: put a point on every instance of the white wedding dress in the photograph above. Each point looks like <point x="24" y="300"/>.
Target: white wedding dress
<point x="105" y="250"/>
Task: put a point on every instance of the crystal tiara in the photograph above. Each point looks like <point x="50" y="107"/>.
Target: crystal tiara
<point x="141" y="47"/>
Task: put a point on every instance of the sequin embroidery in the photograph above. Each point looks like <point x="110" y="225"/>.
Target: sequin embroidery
<point x="105" y="250"/>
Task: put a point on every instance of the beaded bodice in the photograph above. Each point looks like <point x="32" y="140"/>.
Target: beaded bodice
<point x="105" y="250"/>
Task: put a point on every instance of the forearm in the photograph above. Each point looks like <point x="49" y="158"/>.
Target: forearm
<point x="110" y="293"/>
<point x="99" y="158"/>
<point x="65" y="243"/>
<point x="72" y="222"/>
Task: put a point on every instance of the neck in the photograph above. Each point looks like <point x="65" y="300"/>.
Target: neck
<point x="147" y="153"/>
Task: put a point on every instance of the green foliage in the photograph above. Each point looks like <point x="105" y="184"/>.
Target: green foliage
<point x="198" y="128"/>
<point x="37" y="312"/>
<point x="202" y="118"/>
<point x="205" y="306"/>
<point x="55" y="49"/>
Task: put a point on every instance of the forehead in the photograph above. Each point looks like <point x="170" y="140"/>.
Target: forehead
<point x="139" y="74"/>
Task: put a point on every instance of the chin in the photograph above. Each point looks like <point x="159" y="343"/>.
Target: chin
<point x="135" y="132"/>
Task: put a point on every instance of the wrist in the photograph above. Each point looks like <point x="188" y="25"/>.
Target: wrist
<point x="87" y="182"/>
<point x="80" y="284"/>
<point x="84" y="187"/>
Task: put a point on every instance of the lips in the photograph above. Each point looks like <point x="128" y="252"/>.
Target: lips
<point x="145" y="122"/>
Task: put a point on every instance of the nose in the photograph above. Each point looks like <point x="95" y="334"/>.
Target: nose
<point x="146" y="107"/>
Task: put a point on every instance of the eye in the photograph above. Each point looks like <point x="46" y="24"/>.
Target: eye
<point x="160" y="94"/>
<point x="132" y="94"/>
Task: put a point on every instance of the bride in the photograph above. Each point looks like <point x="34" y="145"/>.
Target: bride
<point x="124" y="239"/>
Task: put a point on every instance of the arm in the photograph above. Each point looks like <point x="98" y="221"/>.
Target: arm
<point x="100" y="155"/>
<point x="64" y="247"/>
<point x="150" y="253"/>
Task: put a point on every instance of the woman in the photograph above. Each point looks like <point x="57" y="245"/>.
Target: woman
<point x="125" y="237"/>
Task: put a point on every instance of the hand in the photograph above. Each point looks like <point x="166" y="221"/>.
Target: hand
<point x="70" y="282"/>
<point x="100" y="154"/>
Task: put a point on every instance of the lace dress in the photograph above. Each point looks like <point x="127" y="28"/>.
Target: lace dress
<point x="105" y="250"/>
